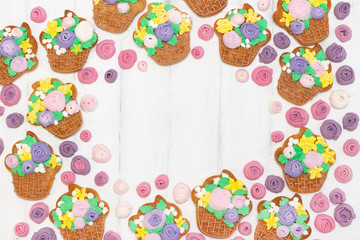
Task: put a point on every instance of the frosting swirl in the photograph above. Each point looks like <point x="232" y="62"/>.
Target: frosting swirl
<point x="68" y="22"/>
<point x="350" y="121"/>
<point x="330" y="129"/>
<point x="164" y="32"/>
<point x="40" y="152"/>
<point x="106" y="49"/>
<point x="45" y="233"/>
<point x="344" y="214"/>
<point x="142" y="66"/>
<point x="87" y="75"/>
<point x="84" y="31"/>
<point x="111" y="75"/>
<point x="14" y="120"/>
<point x="154" y="219"/>
<point x="46" y="118"/>
<point x="39" y="212"/>
<point x="18" y="64"/>
<point x="297" y="27"/>
<point x="232" y="40"/>
<point x="10" y="95"/>
<point x="343" y="174"/>
<point x="197" y="52"/>
<point x="242" y="75"/>
<point x="174" y="16"/>
<point x="143" y="189"/>
<point x="297" y="230"/>
<point x="68" y="178"/>
<point x="343" y="33"/>
<point x="101" y="153"/>
<point x="11" y="161"/>
<point x="342" y="10"/>
<point x="55" y="101"/>
<point x="28" y="167"/>
<point x="282" y="231"/>
<point x="277" y="136"/>
<point x="85" y="135"/>
<point x="80" y="208"/>
<point x="220" y="199"/>
<point x="162" y="182"/>
<point x="299" y="64"/>
<point x="324" y="223"/>
<point x="120" y="187"/>
<point x="253" y="170"/>
<point x="262" y="76"/>
<point x="181" y="193"/>
<point x="38" y="14"/>
<point x="101" y="178"/>
<point x="68" y="148"/>
<point x="281" y="40"/>
<point x="250" y="31"/>
<point x="79" y="223"/>
<point x="258" y="191"/>
<point x="194" y="236"/>
<point x="287" y="215"/>
<point x="72" y="107"/>
<point x="268" y="55"/>
<point x="339" y="99"/>
<point x="89" y="103"/>
<point x="245" y="228"/>
<point x="80" y="165"/>
<point x="317" y="13"/>
<point x="313" y="159"/>
<point x="231" y="215"/>
<point x="299" y="9"/>
<point x="8" y="47"/>
<point x="297" y="117"/>
<point x="320" y="110"/>
<point x="351" y="147"/>
<point x="170" y="232"/>
<point x="337" y="196"/>
<point x="319" y="203"/>
<point x="293" y="168"/>
<point x="21" y="229"/>
<point x="92" y="215"/>
<point x="274" y="184"/>
<point x="127" y="59"/>
<point x="111" y="235"/>
<point x="65" y="39"/>
<point x="335" y="53"/>
<point x="345" y="75"/>
<point x="206" y="32"/>
<point x="123" y="209"/>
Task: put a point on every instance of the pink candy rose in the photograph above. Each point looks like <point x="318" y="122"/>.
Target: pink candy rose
<point x="307" y="81"/>
<point x="68" y="22"/>
<point x="238" y="201"/>
<point x="300" y="9"/>
<point x="79" y="223"/>
<point x="237" y="19"/>
<point x="313" y="159"/>
<point x="72" y="107"/>
<point x="220" y="199"/>
<point x="16" y="32"/>
<point x="174" y="16"/>
<point x="55" y="101"/>
<point x="318" y="67"/>
<point x="80" y="208"/>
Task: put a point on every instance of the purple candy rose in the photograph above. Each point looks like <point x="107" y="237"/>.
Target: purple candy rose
<point x="231" y="216"/>
<point x="297" y="230"/>
<point x="317" y="13"/>
<point x="65" y="39"/>
<point x="28" y="167"/>
<point x="8" y="47"/>
<point x="170" y="232"/>
<point x="46" y="118"/>
<point x="287" y="215"/>
<point x="45" y="233"/>
<point x="155" y="218"/>
<point x="299" y="64"/>
<point x="297" y="27"/>
<point x="164" y="32"/>
<point x="40" y="152"/>
<point x="293" y="168"/>
<point x="92" y="215"/>
<point x="250" y="31"/>
<point x="111" y="1"/>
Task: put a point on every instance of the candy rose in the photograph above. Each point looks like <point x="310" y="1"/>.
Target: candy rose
<point x="80" y="208"/>
<point x="55" y="101"/>
<point x="8" y="47"/>
<point x="298" y="64"/>
<point x="300" y="9"/>
<point x="110" y="235"/>
<point x="232" y="40"/>
<point x="40" y="152"/>
<point x="39" y="212"/>
<point x="68" y="22"/>
<point x="45" y="233"/>
<point x="181" y="193"/>
<point x="154" y="219"/>
<point x="66" y="39"/>
<point x="344" y="214"/>
<point x="164" y="32"/>
<point x="174" y="16"/>
<point x="220" y="199"/>
<point x="72" y="107"/>
<point x="250" y="31"/>
<point x="84" y="31"/>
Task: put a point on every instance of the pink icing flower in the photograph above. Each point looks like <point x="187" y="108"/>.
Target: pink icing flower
<point x="313" y="159"/>
<point x="152" y="236"/>
<point x="220" y="199"/>
<point x="11" y="161"/>
<point x="232" y="40"/>
<point x="174" y="16"/>
<point x="72" y="107"/>
<point x="307" y="81"/>
<point x="89" y="103"/>
<point x="80" y="208"/>
<point x="16" y="32"/>
<point x="68" y="22"/>
<point x="300" y="9"/>
<point x="237" y="19"/>
<point x="55" y="101"/>
<point x="79" y="223"/>
<point x="123" y="7"/>
<point x="238" y="201"/>
<point x="318" y="67"/>
<point x="100" y="153"/>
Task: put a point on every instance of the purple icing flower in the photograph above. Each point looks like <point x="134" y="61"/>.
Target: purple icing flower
<point x="344" y="214"/>
<point x="250" y="31"/>
<point x="164" y="32"/>
<point x="170" y="232"/>
<point x="92" y="215"/>
<point x="330" y="129"/>
<point x="293" y="168"/>
<point x="287" y="215"/>
<point x="155" y="218"/>
<point x="297" y="27"/>
<point x="28" y="167"/>
<point x="336" y="53"/>
<point x="65" y="39"/>
<point x="267" y="55"/>
<point x="40" y="152"/>
<point x="299" y="64"/>
<point x="297" y="230"/>
<point x="317" y="13"/>
<point x="231" y="215"/>
<point x="46" y="118"/>
<point x="45" y="233"/>
<point x="111" y="1"/>
<point x="8" y="47"/>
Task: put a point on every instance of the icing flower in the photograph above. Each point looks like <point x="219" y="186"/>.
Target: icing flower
<point x="224" y="26"/>
<point x="45" y="85"/>
<point x="287" y="215"/>
<point x="8" y="47"/>
<point x="318" y="67"/>
<point x="293" y="168"/>
<point x="68" y="22"/>
<point x="171" y="231"/>
<point x="232" y="40"/>
<point x="272" y="221"/>
<point x="313" y="159"/>
<point x="54" y="162"/>
<point x="237" y="19"/>
<point x="53" y="29"/>
<point x="326" y="79"/>
<point x="100" y="153"/>
<point x="160" y="18"/>
<point x="66" y="220"/>
<point x="282" y="232"/>
<point x="84" y="31"/>
<point x="231" y="215"/>
<point x="16" y="32"/>
<point x="174" y="16"/>
<point x="238" y="201"/>
<point x="309" y="56"/>
<point x="89" y="103"/>
<point x="287" y="19"/>
<point x="79" y="223"/>
<point x="233" y="185"/>
<point x="45" y="233"/>
<point x="80" y="208"/>
<point x="11" y="161"/>
<point x="77" y="49"/>
<point x="45" y="118"/>
<point x="184" y="26"/>
<point x="307" y="144"/>
<point x="141" y="233"/>
<point x="18" y="64"/>
<point x="299" y="64"/>
<point x="72" y="107"/>
<point x="164" y="32"/>
<point x="317" y="3"/>
<point x="123" y="7"/>
<point x="80" y="194"/>
<point x="300" y="9"/>
<point x="140" y="33"/>
<point x="317" y="13"/>
<point x="315" y="172"/>
<point x="251" y="16"/>
<point x="40" y="152"/>
<point x="205" y="199"/>
<point x="297" y="230"/>
<point x="307" y="81"/>
<point x="250" y="31"/>
<point x="297" y="27"/>
<point x="220" y="199"/>
<point x="25" y="45"/>
<point x="65" y="39"/>
<point x="328" y="155"/>
<point x="154" y="219"/>
<point x="66" y="88"/>
<point x="152" y="236"/>
<point x="55" y="101"/>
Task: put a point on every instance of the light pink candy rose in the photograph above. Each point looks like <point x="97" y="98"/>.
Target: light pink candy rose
<point x="237" y="19"/>
<point x="68" y="22"/>
<point x="152" y="236"/>
<point x="300" y="9"/>
<point x="72" y="107"/>
<point x="16" y="32"/>
<point x="313" y="159"/>
<point x="123" y="7"/>
<point x="80" y="208"/>
<point x="220" y="199"/>
<point x="307" y="81"/>
<point x="238" y="201"/>
<point x="232" y="40"/>
<point x="55" y="101"/>
<point x="174" y="16"/>
<point x="79" y="223"/>
<point x="318" y="67"/>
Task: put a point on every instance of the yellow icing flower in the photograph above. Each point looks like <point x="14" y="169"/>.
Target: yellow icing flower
<point x="321" y="140"/>
<point x="141" y="233"/>
<point x="184" y="26"/>
<point x="31" y="117"/>
<point x="179" y="221"/>
<point x="53" y="161"/>
<point x="317" y="3"/>
<point x="251" y="16"/>
<point x="158" y="8"/>
<point x="25" y="45"/>
<point x="287" y="19"/>
<point x="80" y="194"/>
<point x="76" y="49"/>
<point x="205" y="199"/>
<point x="140" y="33"/>
<point x="38" y="106"/>
<point x="66" y="220"/>
<point x="233" y="185"/>
<point x="96" y="2"/>
<point x="45" y="85"/>
<point x="300" y="209"/>
<point x="271" y="222"/>
<point x="65" y="89"/>
<point x="315" y="172"/>
<point x="286" y="1"/>
<point x="160" y="18"/>
<point x="52" y="29"/>
<point x="310" y="56"/>
<point x="326" y="79"/>
<point x="224" y="26"/>
<point x="307" y="143"/>
<point x="25" y="155"/>
<point x="329" y="156"/>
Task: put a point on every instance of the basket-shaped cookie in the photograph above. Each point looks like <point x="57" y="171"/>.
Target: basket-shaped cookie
<point x="159" y="220"/>
<point x="282" y="219"/>
<point x="116" y="15"/>
<point x="80" y="214"/>
<point x="53" y="105"/>
<point x="18" y="50"/>
<point x="305" y="159"/>
<point x="206" y="8"/>
<point x="241" y="35"/>
<point x="305" y="73"/>
<point x="221" y="202"/>
<point x="68" y="41"/>
<point x="306" y="20"/>
<point x="33" y="166"/>
<point x="164" y="32"/>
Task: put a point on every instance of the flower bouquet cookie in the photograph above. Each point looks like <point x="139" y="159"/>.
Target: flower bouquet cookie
<point x="33" y="167"/>
<point x="221" y="202"/>
<point x="68" y="41"/>
<point x="306" y="20"/>
<point x="164" y="32"/>
<point x="53" y="105"/>
<point x="206" y="8"/>
<point x="282" y="218"/>
<point x="241" y="35"/>
<point x="305" y="159"/>
<point x="18" y="50"/>
<point x="116" y="15"/>
<point x="305" y="73"/>
<point x="159" y="220"/>
<point x="80" y="214"/>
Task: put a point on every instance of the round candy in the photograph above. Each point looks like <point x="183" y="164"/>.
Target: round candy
<point x="101" y="178"/>
<point x="275" y="107"/>
<point x="123" y="209"/>
<point x="268" y="55"/>
<point x="80" y="165"/>
<point x="66" y="39"/>
<point x="345" y="75"/>
<point x="21" y="229"/>
<point x="38" y="14"/>
<point x="181" y="193"/>
<point x="342" y="10"/>
<point x="111" y="235"/>
<point x="120" y="187"/>
<point x="28" y="167"/>
<point x="330" y="129"/>
<point x="262" y="76"/>
<point x="89" y="103"/>
<point x="174" y="16"/>
<point x="319" y="203"/>
<point x="68" y="148"/>
<point x="337" y="196"/>
<point x="274" y="184"/>
<point x="11" y="161"/>
<point x="88" y="75"/>
<point x="105" y="49"/>
<point x="195" y="236"/>
<point x="324" y="223"/>
<point x="258" y="191"/>
<point x="263" y="5"/>
<point x="39" y="212"/>
<point x="297" y="117"/>
<point x="68" y="178"/>
<point x="197" y="52"/>
<point x="253" y="170"/>
<point x="206" y="32"/>
<point x="343" y="33"/>
<point x="142" y="66"/>
<point x="127" y="59"/>
<point x="245" y="228"/>
<point x="344" y="214"/>
<point x="85" y="135"/>
<point x="339" y="99"/>
<point x="281" y="40"/>
<point x="85" y="30"/>
<point x="277" y="136"/>
<point x="164" y="31"/>
<point x="351" y="147"/>
<point x="335" y="53"/>
<point x="111" y="75"/>
<point x="343" y="174"/>
<point x="14" y="120"/>
<point x="143" y="189"/>
<point x="320" y="110"/>
<point x="242" y="75"/>
<point x="249" y="30"/>
<point x="101" y="153"/>
<point x="162" y="182"/>
<point x="10" y="95"/>
<point x="350" y="121"/>
<point x="40" y="152"/>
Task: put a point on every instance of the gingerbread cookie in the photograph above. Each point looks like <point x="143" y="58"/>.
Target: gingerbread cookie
<point x="116" y="15"/>
<point x="33" y="166"/>
<point x="221" y="202"/>
<point x="305" y="73"/>
<point x="282" y="218"/>
<point x="18" y="50"/>
<point x="306" y="20"/>
<point x="241" y="35"/>
<point x="80" y="214"/>
<point x="68" y="41"/>
<point x="164" y="32"/>
<point x="305" y="159"/>
<point x="53" y="105"/>
<point x="206" y="8"/>
<point x="159" y="220"/>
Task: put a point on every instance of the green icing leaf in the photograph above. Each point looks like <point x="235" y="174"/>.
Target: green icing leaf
<point x="302" y="218"/>
<point x="150" y="30"/>
<point x="2" y="33"/>
<point x="308" y="133"/>
<point x="309" y="70"/>
<point x="262" y="38"/>
<point x="160" y="45"/>
<point x="210" y="209"/>
<point x="59" y="21"/>
<point x="306" y="23"/>
<point x="23" y="29"/>
<point x="306" y="227"/>
<point x="54" y="215"/>
<point x="56" y="84"/>
<point x="29" y="140"/>
<point x="293" y="236"/>
<point x="57" y="224"/>
<point x="266" y="205"/>
<point x="133" y="1"/>
<point x="76" y="41"/>
<point x="254" y="41"/>
<point x="320" y="55"/>
<point x="47" y="164"/>
<point x="241" y="192"/>
<point x="30" y="63"/>
<point x="138" y="41"/>
<point x="54" y="41"/>
<point x="86" y="44"/>
<point x="210" y="187"/>
<point x="317" y="81"/>
<point x="93" y="202"/>
<point x="58" y="116"/>
<point x="161" y="205"/>
<point x="262" y="23"/>
<point x="66" y="206"/>
<point x="93" y="39"/>
<point x="151" y="15"/>
<point x="17" y="40"/>
<point x="176" y="28"/>
<point x="168" y="7"/>
<point x="283" y="201"/>
<point x="263" y="214"/>
<point x="286" y="58"/>
<point x="146" y="209"/>
<point x="144" y="22"/>
<point x="285" y="6"/>
<point x="18" y="169"/>
<point x="219" y="214"/>
<point x="47" y="36"/>
<point x="151" y="51"/>
<point x="320" y="148"/>
<point x="67" y="97"/>
<point x="237" y="30"/>
<point x="11" y="72"/>
<point x="223" y="182"/>
<point x="326" y="167"/>
<point x="324" y="6"/>
<point x="296" y="76"/>
<point x="169" y="218"/>
<point x="21" y="54"/>
<point x="158" y="230"/>
<point x="282" y="159"/>
<point x="173" y="41"/>
<point x="230" y="16"/>
<point x="230" y="225"/>
<point x="244" y="210"/>
<point x="8" y="60"/>
<point x="242" y="12"/>
<point x="185" y="225"/>
<point x="133" y="226"/>
<point x="72" y="226"/>
<point x="305" y="169"/>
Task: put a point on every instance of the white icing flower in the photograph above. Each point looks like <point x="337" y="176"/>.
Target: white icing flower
<point x="105" y="210"/>
<point x="69" y="14"/>
<point x="59" y="203"/>
<point x="197" y="189"/>
<point x="56" y="122"/>
<point x="288" y="65"/>
<point x="84" y="31"/>
<point x="71" y="214"/>
<point x="18" y="145"/>
<point x="49" y="46"/>
<point x="284" y="68"/>
<point x="19" y="152"/>
<point x="248" y="46"/>
<point x="58" y="211"/>
<point x="242" y="45"/>
<point x="247" y="202"/>
<point x="74" y="200"/>
<point x="231" y="206"/>
<point x="8" y="29"/>
<point x="265" y="32"/>
<point x="306" y="232"/>
<point x="150" y="41"/>
<point x="91" y="223"/>
<point x="32" y="55"/>
<point x="247" y="41"/>
<point x="298" y="54"/>
<point x="288" y="71"/>
<point x="182" y="230"/>
<point x="56" y="47"/>
<point x="29" y="50"/>
<point x="27" y="56"/>
<point x="58" y="159"/>
<point x="152" y="24"/>
<point x="63" y="50"/>
<point x="40" y="168"/>
<point x="101" y="204"/>
<point x="200" y="203"/>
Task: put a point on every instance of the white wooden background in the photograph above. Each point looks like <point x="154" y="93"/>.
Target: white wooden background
<point x="189" y="121"/>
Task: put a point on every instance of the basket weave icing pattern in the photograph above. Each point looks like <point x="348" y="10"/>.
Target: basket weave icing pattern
<point x="205" y="8"/>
